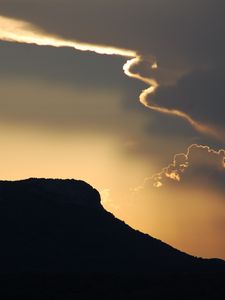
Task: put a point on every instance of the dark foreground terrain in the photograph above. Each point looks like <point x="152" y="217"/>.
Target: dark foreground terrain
<point x="113" y="286"/>
<point x="58" y="242"/>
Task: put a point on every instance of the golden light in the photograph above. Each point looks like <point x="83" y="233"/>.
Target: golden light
<point x="12" y="30"/>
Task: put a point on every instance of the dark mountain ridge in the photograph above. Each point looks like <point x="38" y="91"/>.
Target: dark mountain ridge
<point x="60" y="225"/>
<point x="53" y="226"/>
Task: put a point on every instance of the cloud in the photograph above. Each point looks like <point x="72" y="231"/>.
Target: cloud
<point x="186" y="38"/>
<point x="174" y="31"/>
<point x="23" y="32"/>
<point x="185" y="200"/>
<point x="199" y="95"/>
<point x="199" y="166"/>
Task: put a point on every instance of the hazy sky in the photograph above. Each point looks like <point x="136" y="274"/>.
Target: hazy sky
<point x="127" y="95"/>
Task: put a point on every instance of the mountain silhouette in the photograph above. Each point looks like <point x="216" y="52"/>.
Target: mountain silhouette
<point x="54" y="226"/>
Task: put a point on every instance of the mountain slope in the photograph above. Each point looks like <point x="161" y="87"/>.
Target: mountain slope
<point x="57" y="225"/>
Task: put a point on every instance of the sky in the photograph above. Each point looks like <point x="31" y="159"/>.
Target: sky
<point x="127" y="95"/>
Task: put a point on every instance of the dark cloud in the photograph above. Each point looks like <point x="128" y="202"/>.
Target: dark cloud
<point x="60" y="90"/>
<point x="200" y="166"/>
<point x="200" y="95"/>
<point x="185" y="37"/>
<point x="66" y="66"/>
<point x="45" y="86"/>
<point x="74" y="69"/>
<point x="174" y="30"/>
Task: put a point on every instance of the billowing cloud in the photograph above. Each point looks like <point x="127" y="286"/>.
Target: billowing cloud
<point x="199" y="166"/>
<point x="186" y="38"/>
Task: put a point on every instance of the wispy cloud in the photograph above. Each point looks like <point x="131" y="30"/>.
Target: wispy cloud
<point x="33" y="23"/>
<point x="13" y="30"/>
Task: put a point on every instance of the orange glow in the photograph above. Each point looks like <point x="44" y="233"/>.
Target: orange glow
<point x="179" y="218"/>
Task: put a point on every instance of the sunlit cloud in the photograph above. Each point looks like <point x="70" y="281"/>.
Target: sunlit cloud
<point x="159" y="32"/>
<point x="145" y="96"/>
<point x="13" y="30"/>
<point x="198" y="160"/>
<point x="188" y="193"/>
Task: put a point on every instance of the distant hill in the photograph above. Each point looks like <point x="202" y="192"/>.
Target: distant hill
<point x="52" y="226"/>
